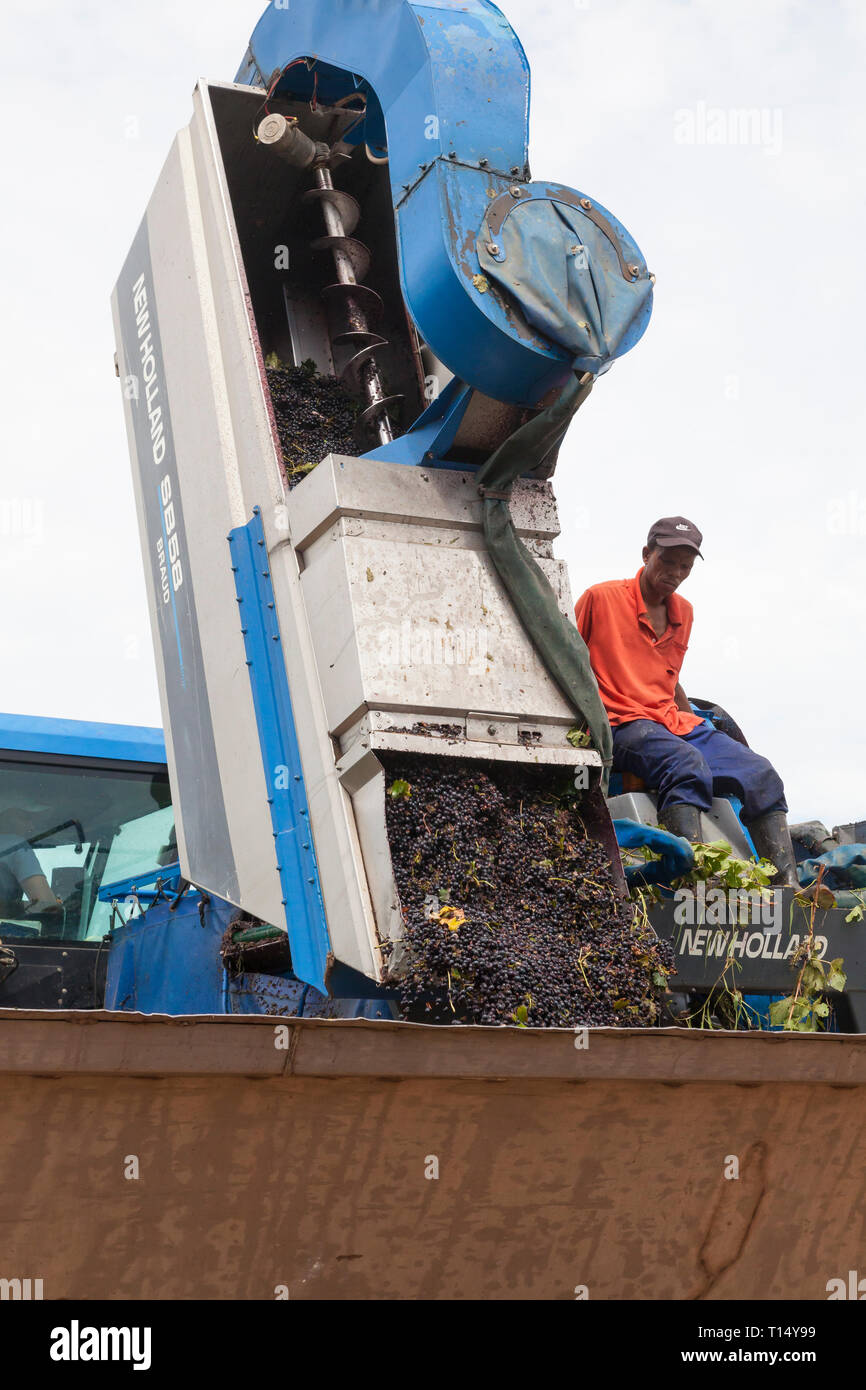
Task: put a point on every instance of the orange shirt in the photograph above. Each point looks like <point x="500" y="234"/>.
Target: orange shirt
<point x="636" y="671"/>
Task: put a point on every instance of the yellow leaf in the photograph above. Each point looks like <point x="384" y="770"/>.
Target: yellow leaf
<point x="451" y="917"/>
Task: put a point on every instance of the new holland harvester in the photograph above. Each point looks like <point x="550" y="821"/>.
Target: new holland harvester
<point x="359" y="200"/>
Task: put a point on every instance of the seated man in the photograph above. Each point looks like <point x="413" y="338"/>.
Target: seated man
<point x="637" y="631"/>
<point x="20" y="870"/>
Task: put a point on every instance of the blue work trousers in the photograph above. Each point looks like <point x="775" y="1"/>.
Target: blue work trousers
<point x="692" y="768"/>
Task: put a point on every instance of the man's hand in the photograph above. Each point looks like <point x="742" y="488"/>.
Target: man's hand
<point x="44" y="905"/>
<point x="41" y="897"/>
<point x="682" y="699"/>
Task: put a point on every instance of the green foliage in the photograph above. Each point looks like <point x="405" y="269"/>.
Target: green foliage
<point x="578" y="738"/>
<point x="717" y="861"/>
<point x="725" y="1006"/>
<point x="400" y="790"/>
<point x="521" y="1013"/>
<point x="274" y="362"/>
<point x="805" y="1010"/>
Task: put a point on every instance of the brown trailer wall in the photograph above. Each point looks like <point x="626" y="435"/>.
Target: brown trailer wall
<point x="262" y="1166"/>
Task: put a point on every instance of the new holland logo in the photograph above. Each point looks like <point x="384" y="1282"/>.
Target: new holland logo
<point x="706" y="941"/>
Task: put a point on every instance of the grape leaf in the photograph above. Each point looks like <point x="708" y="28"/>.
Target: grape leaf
<point x="451" y="917"/>
<point x="779" y="1011"/>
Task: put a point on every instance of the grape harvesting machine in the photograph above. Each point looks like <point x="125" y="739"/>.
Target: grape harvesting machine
<point x="306" y="626"/>
<point x="352" y="331"/>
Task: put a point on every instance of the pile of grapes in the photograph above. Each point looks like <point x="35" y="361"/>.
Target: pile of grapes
<point x="510" y="911"/>
<point x="315" y="417"/>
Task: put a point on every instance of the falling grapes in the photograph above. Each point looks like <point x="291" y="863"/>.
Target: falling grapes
<point x="510" y="911"/>
<point x="315" y="417"/>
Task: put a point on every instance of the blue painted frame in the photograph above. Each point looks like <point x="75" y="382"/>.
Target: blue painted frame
<point x="296" y="863"/>
<point x="77" y="738"/>
<point x="169" y="874"/>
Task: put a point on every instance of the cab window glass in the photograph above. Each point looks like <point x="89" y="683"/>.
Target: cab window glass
<point x="64" y="830"/>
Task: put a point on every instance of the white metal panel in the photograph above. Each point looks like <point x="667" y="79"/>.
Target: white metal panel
<point x="260" y="480"/>
<point x="406" y="607"/>
<point x="435" y="497"/>
<point x="227" y="464"/>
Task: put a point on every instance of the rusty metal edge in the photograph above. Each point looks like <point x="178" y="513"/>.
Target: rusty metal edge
<point x="45" y="1043"/>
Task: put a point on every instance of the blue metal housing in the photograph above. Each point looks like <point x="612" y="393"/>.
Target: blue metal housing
<point x="76" y="738"/>
<point x="168" y="962"/>
<point x="448" y="83"/>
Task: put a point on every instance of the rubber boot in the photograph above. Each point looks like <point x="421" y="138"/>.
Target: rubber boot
<point x="772" y="840"/>
<point x="683" y="819"/>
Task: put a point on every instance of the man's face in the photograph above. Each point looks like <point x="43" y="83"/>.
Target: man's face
<point x="667" y="566"/>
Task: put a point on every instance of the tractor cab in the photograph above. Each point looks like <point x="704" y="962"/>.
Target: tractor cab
<point x="81" y="805"/>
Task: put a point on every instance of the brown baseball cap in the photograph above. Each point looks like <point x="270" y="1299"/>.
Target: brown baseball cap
<point x="675" y="530"/>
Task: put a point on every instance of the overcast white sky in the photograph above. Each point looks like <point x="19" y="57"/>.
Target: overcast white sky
<point x="742" y="407"/>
